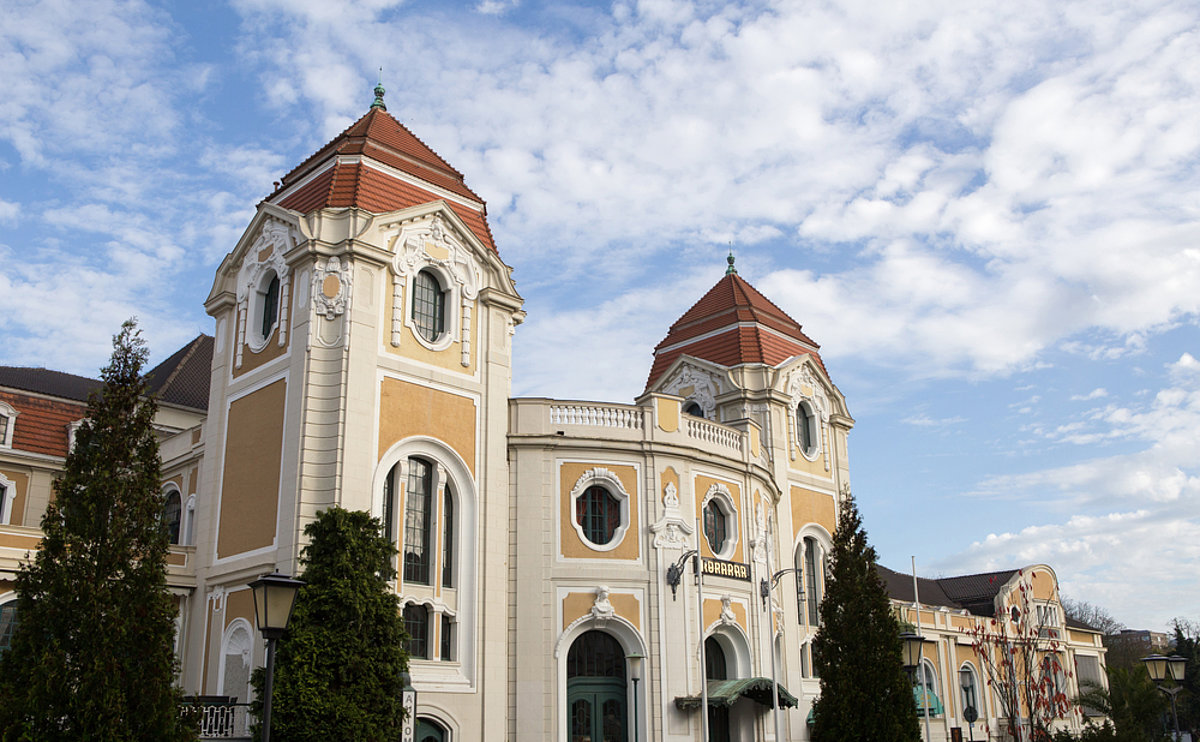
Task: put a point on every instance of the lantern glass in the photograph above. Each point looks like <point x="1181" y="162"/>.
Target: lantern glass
<point x="1177" y="665"/>
<point x="1156" y="665"/>
<point x="912" y="648"/>
<point x="274" y="599"/>
<point x="965" y="678"/>
<point x="635" y="665"/>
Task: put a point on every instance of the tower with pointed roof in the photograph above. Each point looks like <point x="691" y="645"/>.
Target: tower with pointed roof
<point x="362" y="359"/>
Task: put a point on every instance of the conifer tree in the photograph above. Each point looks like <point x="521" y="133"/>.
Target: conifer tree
<point x="338" y="669"/>
<point x="865" y="692"/>
<point x="92" y="654"/>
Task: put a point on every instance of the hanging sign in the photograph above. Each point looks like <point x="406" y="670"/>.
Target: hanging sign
<point x="722" y="568"/>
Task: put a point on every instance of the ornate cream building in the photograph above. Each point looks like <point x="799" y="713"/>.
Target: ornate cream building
<point x="361" y="357"/>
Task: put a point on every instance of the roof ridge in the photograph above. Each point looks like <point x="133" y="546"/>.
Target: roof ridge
<point x="191" y="350"/>
<point x="441" y="160"/>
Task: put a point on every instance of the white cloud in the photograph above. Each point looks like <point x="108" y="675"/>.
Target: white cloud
<point x="1097" y="393"/>
<point x="9" y="212"/>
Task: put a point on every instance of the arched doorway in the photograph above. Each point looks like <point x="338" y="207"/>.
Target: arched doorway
<point x="596" y="689"/>
<point x="716" y="668"/>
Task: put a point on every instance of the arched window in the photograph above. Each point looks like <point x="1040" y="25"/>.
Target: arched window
<point x="269" y="306"/>
<point x="596" y="690"/>
<point x="429" y="306"/>
<point x="598" y="513"/>
<point x="172" y="516"/>
<point x="968" y="683"/>
<point x="8" y="419"/>
<point x="8" y="624"/>
<point x="236" y="649"/>
<point x="693" y="409"/>
<point x="716" y="668"/>
<point x="417" y="521"/>
<point x="716" y="525"/>
<point x="447" y="538"/>
<point x="429" y="730"/>
<point x="416" y="623"/>
<point x="927" y="686"/>
<point x="814" y="574"/>
<point x="806" y="428"/>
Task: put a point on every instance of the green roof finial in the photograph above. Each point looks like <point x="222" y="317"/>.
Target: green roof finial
<point x="379" y="91"/>
<point x="730" y="269"/>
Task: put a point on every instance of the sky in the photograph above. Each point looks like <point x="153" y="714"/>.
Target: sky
<point x="987" y="214"/>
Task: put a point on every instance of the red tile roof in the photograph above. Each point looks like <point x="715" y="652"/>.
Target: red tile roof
<point x="41" y="424"/>
<point x="379" y="137"/>
<point x="733" y="324"/>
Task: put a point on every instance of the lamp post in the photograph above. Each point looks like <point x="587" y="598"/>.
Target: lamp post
<point x="274" y="599"/>
<point x="1159" y="668"/>
<point x="912" y="662"/>
<point x="635" y="674"/>
<point x="967" y="680"/>
<point x="765" y="587"/>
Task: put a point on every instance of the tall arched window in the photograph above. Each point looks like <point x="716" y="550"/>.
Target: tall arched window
<point x="927" y="685"/>
<point x="596" y="690"/>
<point x="269" y="314"/>
<point x="447" y="537"/>
<point x="716" y="525"/>
<point x="417" y="521"/>
<point x="814" y="574"/>
<point x="172" y="516"/>
<point x="429" y="306"/>
<point x="968" y="683"/>
<point x="807" y="435"/>
<point x="236" y="650"/>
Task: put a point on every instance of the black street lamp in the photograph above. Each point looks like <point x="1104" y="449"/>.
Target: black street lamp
<point x="966" y="679"/>
<point x="912" y="661"/>
<point x="1160" y="668"/>
<point x="274" y="599"/>
<point x="635" y="674"/>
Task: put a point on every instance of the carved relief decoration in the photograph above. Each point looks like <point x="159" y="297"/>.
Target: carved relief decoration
<point x="331" y="287"/>
<point x="429" y="242"/>
<point x="705" y="384"/>
<point x="672" y="529"/>
<point x="727" y="616"/>
<point x="804" y="386"/>
<point x="760" y="543"/>
<point x="602" y="609"/>
<point x="275" y="238"/>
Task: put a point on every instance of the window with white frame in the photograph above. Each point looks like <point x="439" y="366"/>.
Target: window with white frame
<point x="8" y="493"/>
<point x="428" y="306"/>
<point x="808" y="432"/>
<point x="8" y="423"/>
<point x="237" y="647"/>
<point x="600" y="509"/>
<point x="926" y="681"/>
<point x="812" y="566"/>
<point x="424" y="512"/>
<point x="969" y="684"/>
<point x="172" y="515"/>
<point x="720" y="521"/>
<point x="264" y="307"/>
<point x="8" y="623"/>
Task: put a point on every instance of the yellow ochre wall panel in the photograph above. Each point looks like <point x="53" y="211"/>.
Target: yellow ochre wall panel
<point x="1043" y="584"/>
<point x="17" y="511"/>
<point x="625" y="605"/>
<point x="701" y="489"/>
<point x="812" y="507"/>
<point x="668" y="415"/>
<point x="250" y="483"/>
<point x="252" y="360"/>
<point x="409" y="409"/>
<point x="572" y="545"/>
<point x="712" y="613"/>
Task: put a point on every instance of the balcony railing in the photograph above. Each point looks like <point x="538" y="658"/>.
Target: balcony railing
<point x="602" y="415"/>
<point x="220" y="718"/>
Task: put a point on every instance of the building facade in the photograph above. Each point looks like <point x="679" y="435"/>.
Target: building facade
<point x="361" y="357"/>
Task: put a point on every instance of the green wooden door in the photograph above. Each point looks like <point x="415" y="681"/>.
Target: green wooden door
<point x="596" y="710"/>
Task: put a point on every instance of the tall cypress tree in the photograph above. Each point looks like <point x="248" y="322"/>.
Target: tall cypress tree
<point x="865" y="692"/>
<point x="338" y="670"/>
<point x="92" y="654"/>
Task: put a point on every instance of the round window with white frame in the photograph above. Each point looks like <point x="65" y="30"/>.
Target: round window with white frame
<point x="600" y="509"/>
<point x="264" y="310"/>
<point x="720" y="521"/>
<point x="808" y="429"/>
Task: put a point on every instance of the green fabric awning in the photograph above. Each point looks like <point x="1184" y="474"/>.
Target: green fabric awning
<point x="922" y="696"/>
<point x="727" y="692"/>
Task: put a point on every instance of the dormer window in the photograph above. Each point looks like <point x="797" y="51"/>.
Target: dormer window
<point x="270" y="313"/>
<point x="693" y="409"/>
<point x="808" y="436"/>
<point x="429" y="306"/>
<point x="8" y="419"/>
